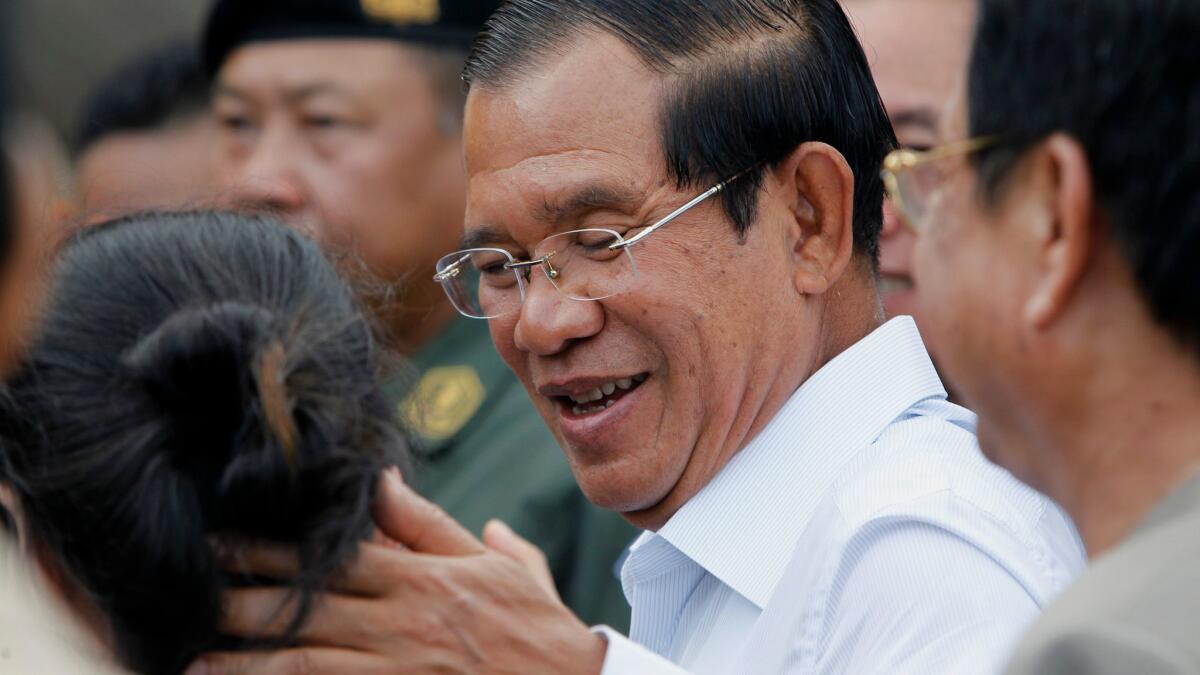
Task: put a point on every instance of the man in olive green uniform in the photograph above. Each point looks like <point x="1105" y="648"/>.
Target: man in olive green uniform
<point x="343" y="117"/>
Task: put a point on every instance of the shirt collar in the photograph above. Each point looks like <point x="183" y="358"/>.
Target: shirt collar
<point x="743" y="526"/>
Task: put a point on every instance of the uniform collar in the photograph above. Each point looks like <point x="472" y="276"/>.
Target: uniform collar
<point x="743" y="526"/>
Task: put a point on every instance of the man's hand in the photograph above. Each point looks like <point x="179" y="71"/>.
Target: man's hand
<point x="447" y="604"/>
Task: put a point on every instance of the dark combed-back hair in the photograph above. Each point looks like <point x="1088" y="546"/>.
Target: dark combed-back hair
<point x="150" y="92"/>
<point x="1123" y="78"/>
<point x="197" y="376"/>
<point x="751" y="81"/>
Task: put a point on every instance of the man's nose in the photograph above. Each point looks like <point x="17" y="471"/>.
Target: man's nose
<point x="269" y="179"/>
<point x="550" y="322"/>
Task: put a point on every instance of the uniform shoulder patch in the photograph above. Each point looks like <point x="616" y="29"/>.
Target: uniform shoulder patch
<point x="443" y="402"/>
<point x="423" y="12"/>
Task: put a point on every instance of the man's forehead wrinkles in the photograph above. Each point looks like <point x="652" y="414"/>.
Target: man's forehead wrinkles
<point x="556" y="160"/>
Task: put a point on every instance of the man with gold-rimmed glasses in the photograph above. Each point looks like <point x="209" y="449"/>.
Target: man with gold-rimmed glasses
<point x="1056" y="260"/>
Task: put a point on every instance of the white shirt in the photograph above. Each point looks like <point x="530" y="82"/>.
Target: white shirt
<point x="861" y="532"/>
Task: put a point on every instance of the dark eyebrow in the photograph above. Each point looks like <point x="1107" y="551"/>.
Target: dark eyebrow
<point x="923" y="118"/>
<point x="484" y="237"/>
<point x="585" y="199"/>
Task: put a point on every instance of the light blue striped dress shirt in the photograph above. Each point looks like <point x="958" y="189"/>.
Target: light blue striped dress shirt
<point x="861" y="532"/>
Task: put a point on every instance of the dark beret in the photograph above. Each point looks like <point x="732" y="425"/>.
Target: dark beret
<point x="233" y="23"/>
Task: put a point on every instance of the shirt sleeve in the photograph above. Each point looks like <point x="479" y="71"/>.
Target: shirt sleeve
<point x="911" y="597"/>
<point x="626" y="657"/>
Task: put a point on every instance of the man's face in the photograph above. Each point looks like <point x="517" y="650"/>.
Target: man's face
<point x="348" y="140"/>
<point x="135" y="171"/>
<point x="711" y="324"/>
<point x="917" y="49"/>
<point x="22" y="275"/>
<point x="971" y="263"/>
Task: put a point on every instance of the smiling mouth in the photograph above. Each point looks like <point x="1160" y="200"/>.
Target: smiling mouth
<point x="601" y="398"/>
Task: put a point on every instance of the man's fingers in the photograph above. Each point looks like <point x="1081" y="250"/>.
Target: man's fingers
<point x="269" y="561"/>
<point x="291" y="662"/>
<point x="500" y="538"/>
<point x="414" y="522"/>
<point x="267" y="613"/>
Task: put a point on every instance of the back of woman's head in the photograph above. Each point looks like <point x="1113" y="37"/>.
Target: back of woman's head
<point x="196" y="376"/>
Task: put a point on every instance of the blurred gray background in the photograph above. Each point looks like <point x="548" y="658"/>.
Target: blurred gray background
<point x="67" y="46"/>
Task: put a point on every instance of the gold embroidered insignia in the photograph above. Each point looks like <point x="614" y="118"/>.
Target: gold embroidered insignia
<point x="443" y="402"/>
<point x="422" y="12"/>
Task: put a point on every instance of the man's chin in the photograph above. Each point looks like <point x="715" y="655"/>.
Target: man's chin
<point x="625" y="492"/>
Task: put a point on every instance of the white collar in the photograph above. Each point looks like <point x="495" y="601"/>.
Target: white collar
<point x="744" y="525"/>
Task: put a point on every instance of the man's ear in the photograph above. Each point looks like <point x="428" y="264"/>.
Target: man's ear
<point x="819" y="186"/>
<point x="1064" y="236"/>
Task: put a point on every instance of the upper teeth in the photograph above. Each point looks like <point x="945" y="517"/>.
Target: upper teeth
<point x="607" y="389"/>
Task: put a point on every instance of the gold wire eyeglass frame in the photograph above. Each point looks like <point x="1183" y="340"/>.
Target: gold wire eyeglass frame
<point x="902" y="160"/>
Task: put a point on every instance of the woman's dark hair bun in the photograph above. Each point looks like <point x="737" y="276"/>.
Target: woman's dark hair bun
<point x="219" y="376"/>
<point x="196" y="376"/>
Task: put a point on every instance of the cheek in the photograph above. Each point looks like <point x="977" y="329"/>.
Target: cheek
<point x="401" y="215"/>
<point x="896" y="252"/>
<point x="946" y="271"/>
<point x="728" y="299"/>
<point x="502" y="331"/>
<point x="968" y="300"/>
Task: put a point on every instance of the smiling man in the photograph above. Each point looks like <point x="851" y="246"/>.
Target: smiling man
<point x="673" y="217"/>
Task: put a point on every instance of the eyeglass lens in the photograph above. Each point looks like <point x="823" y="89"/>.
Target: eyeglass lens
<point x="581" y="264"/>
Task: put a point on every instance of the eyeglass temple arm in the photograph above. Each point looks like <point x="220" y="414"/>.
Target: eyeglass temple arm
<point x="716" y="189"/>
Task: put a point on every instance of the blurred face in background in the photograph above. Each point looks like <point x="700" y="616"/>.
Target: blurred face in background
<point x="353" y="142"/>
<point x="31" y="199"/>
<point x="171" y="167"/>
<point x="917" y="50"/>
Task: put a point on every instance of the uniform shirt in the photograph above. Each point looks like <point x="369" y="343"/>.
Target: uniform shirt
<point x="861" y="532"/>
<point x="1135" y="610"/>
<point x="484" y="452"/>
